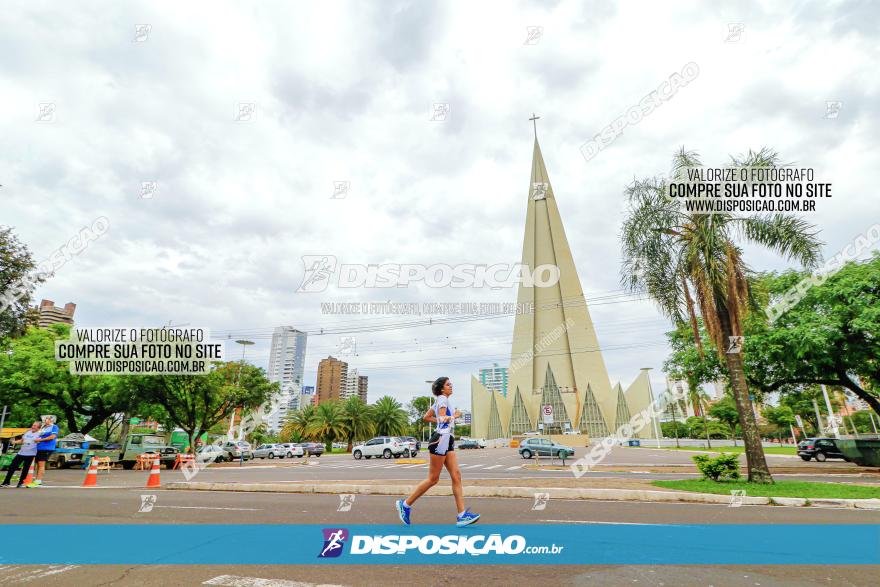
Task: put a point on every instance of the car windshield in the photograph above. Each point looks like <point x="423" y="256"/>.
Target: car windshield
<point x="154" y="440"/>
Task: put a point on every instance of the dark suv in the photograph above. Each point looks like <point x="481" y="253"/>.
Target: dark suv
<point x="820" y="449"/>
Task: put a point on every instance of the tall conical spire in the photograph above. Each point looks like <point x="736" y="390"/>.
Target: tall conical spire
<point x="559" y="333"/>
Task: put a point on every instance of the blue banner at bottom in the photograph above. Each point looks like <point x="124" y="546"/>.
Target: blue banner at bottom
<point x="510" y="544"/>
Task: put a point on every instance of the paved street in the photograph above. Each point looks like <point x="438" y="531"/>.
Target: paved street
<point x="501" y="463"/>
<point x="118" y="500"/>
<point x="63" y="505"/>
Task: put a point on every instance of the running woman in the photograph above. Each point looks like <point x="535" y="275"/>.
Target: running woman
<point x="442" y="450"/>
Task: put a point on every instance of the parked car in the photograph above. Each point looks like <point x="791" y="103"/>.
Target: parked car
<point x="381" y="446"/>
<point x="292" y="450"/>
<point x="413" y="444"/>
<point x="237" y="449"/>
<point x="271" y="451"/>
<point x="819" y="449"/>
<point x="314" y="449"/>
<point x="463" y="444"/>
<point x="543" y="447"/>
<point x="481" y="442"/>
<point x="211" y="454"/>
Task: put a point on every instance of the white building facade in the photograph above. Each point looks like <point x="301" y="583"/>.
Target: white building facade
<point x="286" y="367"/>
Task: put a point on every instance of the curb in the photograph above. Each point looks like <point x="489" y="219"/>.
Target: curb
<point x="645" y="495"/>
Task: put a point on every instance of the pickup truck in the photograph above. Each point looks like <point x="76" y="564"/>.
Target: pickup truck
<point x="138" y="444"/>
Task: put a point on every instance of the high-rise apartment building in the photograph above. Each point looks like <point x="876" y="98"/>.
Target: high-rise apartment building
<point x="50" y="314"/>
<point x="332" y="380"/>
<point x="495" y="378"/>
<point x="286" y="366"/>
<point x="362" y="387"/>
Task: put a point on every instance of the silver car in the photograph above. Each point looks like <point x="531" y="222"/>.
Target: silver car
<point x="271" y="451"/>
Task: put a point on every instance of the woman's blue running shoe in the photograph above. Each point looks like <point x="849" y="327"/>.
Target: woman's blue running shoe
<point x="403" y="511"/>
<point x="468" y="517"/>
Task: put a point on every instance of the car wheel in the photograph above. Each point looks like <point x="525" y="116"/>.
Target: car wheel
<point x="357" y="455"/>
<point x="820" y="456"/>
<point x="805" y="457"/>
<point x="526" y="454"/>
<point x="271" y="455"/>
<point x="386" y="453"/>
<point x="561" y="454"/>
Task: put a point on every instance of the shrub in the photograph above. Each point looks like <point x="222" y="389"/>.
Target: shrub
<point x="721" y="468"/>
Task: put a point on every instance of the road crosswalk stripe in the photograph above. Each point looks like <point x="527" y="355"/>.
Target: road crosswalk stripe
<point x="513" y="468"/>
<point x="493" y="467"/>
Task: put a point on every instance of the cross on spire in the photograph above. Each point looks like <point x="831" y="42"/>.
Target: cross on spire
<point x="535" y="124"/>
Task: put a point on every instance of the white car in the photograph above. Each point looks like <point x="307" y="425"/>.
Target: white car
<point x="271" y="451"/>
<point x="292" y="450"/>
<point x="381" y="446"/>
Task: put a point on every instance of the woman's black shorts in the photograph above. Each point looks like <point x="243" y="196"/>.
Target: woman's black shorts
<point x="440" y="444"/>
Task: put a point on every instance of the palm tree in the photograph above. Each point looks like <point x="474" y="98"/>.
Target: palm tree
<point x="389" y="417"/>
<point x="329" y="423"/>
<point x="298" y="424"/>
<point x="358" y="420"/>
<point x="674" y="256"/>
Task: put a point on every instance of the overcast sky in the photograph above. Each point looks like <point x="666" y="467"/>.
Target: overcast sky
<point x="345" y="91"/>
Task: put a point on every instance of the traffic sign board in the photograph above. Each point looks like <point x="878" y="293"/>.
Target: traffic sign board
<point x="547" y="412"/>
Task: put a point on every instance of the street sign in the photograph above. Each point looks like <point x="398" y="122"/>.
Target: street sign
<point x="547" y="412"/>
<point x="797" y="418"/>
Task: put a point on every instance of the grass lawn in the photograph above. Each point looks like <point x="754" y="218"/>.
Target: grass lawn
<point x="770" y="450"/>
<point x="779" y="489"/>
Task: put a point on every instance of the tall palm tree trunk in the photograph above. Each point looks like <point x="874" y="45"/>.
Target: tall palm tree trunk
<point x="758" y="470"/>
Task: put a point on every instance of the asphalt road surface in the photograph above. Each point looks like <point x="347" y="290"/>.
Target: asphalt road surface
<point x="502" y="463"/>
<point x="119" y="499"/>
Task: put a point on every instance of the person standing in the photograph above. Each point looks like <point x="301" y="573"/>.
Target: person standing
<point x="45" y="447"/>
<point x="441" y="446"/>
<point x="25" y="455"/>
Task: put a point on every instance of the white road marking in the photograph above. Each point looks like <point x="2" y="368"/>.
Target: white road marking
<point x="513" y="468"/>
<point x="200" y="507"/>
<point x="413" y="466"/>
<point x="493" y="467"/>
<point x="236" y="581"/>
<point x="31" y="574"/>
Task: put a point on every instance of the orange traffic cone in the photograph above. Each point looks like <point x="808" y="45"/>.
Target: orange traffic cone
<point x="30" y="475"/>
<point x="91" y="479"/>
<point x="153" y="481"/>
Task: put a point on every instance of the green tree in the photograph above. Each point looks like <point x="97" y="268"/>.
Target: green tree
<point x="800" y="401"/>
<point x="358" y="420"/>
<point x="34" y="382"/>
<point x="676" y="257"/>
<point x="689" y="363"/>
<point x="329" y="423"/>
<point x="298" y="424"/>
<point x="782" y="417"/>
<point x="724" y="410"/>
<point x="416" y="409"/>
<point x="196" y="403"/>
<point x="17" y="281"/>
<point x="674" y="429"/>
<point x="389" y="417"/>
<point x="829" y="337"/>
